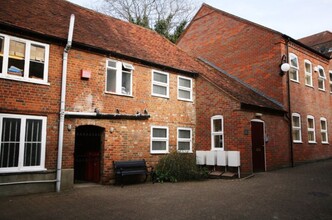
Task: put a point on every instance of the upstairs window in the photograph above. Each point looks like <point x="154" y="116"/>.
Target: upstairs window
<point x="24" y="60"/>
<point x="119" y="77"/>
<point x="308" y="73"/>
<point x="294" y="68"/>
<point x="217" y="132"/>
<point x="184" y="140"/>
<point x="321" y="78"/>
<point x="159" y="139"/>
<point x="330" y="81"/>
<point x="296" y="125"/>
<point x="185" y="89"/>
<point x="160" y="84"/>
<point x="323" y="130"/>
<point x="311" y="129"/>
<point x="22" y="143"/>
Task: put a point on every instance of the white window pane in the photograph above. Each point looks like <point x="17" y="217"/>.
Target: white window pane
<point x="37" y="58"/>
<point x="310" y="123"/>
<point x="296" y="121"/>
<point x="160" y="77"/>
<point x="111" y="63"/>
<point x="126" y="83"/>
<point x="184" y="94"/>
<point x="10" y="141"/>
<point x="184" y="146"/>
<point x="111" y="80"/>
<point x="159" y="145"/>
<point x="296" y="135"/>
<point x="1" y="52"/>
<point x="217" y="125"/>
<point x="324" y="137"/>
<point x="293" y="74"/>
<point x="307" y="67"/>
<point x="218" y="141"/>
<point x="184" y="134"/>
<point x="161" y="90"/>
<point x="16" y="58"/>
<point x="323" y="124"/>
<point x="293" y="61"/>
<point x="311" y="136"/>
<point x="159" y="133"/>
<point x="321" y="73"/>
<point x="321" y="84"/>
<point x="185" y="83"/>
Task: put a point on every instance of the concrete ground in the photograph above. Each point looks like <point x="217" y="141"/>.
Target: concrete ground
<point x="303" y="192"/>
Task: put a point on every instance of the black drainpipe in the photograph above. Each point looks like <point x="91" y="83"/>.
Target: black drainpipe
<point x="289" y="108"/>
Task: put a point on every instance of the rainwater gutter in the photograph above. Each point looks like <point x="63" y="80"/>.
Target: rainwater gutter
<point x="63" y="101"/>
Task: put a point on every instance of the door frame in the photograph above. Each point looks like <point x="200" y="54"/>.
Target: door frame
<point x="264" y="136"/>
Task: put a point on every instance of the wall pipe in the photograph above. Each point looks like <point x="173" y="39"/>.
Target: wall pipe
<point x="63" y="101"/>
<point x="27" y="182"/>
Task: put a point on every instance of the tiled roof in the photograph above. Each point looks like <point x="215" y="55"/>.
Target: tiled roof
<point x="319" y="38"/>
<point x="51" y="18"/>
<point x="95" y="30"/>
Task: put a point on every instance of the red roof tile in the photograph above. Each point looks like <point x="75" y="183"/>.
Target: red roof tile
<point x="319" y="38"/>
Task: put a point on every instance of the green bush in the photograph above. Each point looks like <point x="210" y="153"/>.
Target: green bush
<point x="176" y="167"/>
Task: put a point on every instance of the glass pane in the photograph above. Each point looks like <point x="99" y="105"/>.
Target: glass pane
<point x="218" y="141"/>
<point x="185" y="83"/>
<point x="293" y="74"/>
<point x="324" y="137"/>
<point x="321" y="73"/>
<point x="293" y="61"/>
<point x="311" y="136"/>
<point x="321" y="83"/>
<point x="184" y="146"/>
<point x="217" y="125"/>
<point x="323" y="125"/>
<point x="307" y="67"/>
<point x="111" y="64"/>
<point x="111" y="80"/>
<point x="33" y="130"/>
<point x="32" y="147"/>
<point x="32" y="154"/>
<point x="1" y="52"/>
<point x="184" y="94"/>
<point x="308" y="80"/>
<point x="184" y="134"/>
<point x="159" y="77"/>
<point x="158" y="145"/>
<point x="37" y="59"/>
<point x="310" y="123"/>
<point x="161" y="90"/>
<point x="10" y="142"/>
<point x="126" y="83"/>
<point x="296" y="121"/>
<point x="16" y="58"/>
<point x="159" y="133"/>
<point x="296" y="135"/>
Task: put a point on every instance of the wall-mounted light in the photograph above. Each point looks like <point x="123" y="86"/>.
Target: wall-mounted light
<point x="258" y="115"/>
<point x="69" y="127"/>
<point x="284" y="65"/>
<point x="316" y="68"/>
<point x="112" y="129"/>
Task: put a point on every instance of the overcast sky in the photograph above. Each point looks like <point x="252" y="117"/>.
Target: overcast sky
<point x="295" y="18"/>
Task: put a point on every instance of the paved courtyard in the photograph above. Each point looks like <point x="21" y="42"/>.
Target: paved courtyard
<point x="303" y="192"/>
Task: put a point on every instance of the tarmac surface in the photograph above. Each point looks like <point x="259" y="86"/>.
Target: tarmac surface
<point x="302" y="192"/>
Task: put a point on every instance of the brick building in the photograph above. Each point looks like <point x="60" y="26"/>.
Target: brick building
<point x="130" y="94"/>
<point x="254" y="53"/>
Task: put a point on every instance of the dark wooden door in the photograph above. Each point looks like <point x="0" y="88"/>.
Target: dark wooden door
<point x="258" y="146"/>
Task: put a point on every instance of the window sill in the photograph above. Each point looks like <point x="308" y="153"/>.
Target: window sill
<point x="314" y="142"/>
<point x="298" y="82"/>
<point x="185" y="100"/>
<point x="309" y="86"/>
<point x="24" y="80"/>
<point x="155" y="153"/>
<point x="322" y="90"/>
<point x="325" y="143"/>
<point x="185" y="151"/>
<point x="297" y="142"/>
<point x="117" y="94"/>
<point x="22" y="171"/>
<point x="160" y="96"/>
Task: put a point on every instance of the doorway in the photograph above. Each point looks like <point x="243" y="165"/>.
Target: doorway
<point x="87" y="156"/>
<point x="258" y="145"/>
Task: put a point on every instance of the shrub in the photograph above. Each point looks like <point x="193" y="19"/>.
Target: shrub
<point x="176" y="167"/>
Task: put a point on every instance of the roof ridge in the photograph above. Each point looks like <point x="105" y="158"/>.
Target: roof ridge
<point x="241" y="82"/>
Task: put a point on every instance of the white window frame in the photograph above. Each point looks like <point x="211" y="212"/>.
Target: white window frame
<point x="190" y="90"/>
<point x="321" y="78"/>
<point x="330" y="72"/>
<point x="324" y="131"/>
<point x="119" y="74"/>
<point x="161" y="84"/>
<point x="21" y="167"/>
<point x="159" y="140"/>
<point x="25" y="77"/>
<point x="214" y="133"/>
<point x="188" y="140"/>
<point x="291" y="55"/>
<point x="308" y="74"/>
<point x="311" y="129"/>
<point x="297" y="128"/>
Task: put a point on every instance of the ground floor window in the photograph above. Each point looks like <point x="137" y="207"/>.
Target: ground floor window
<point x="22" y="143"/>
<point x="217" y="132"/>
<point x="311" y="129"/>
<point x="159" y="139"/>
<point x="184" y="143"/>
<point x="323" y="130"/>
<point x="296" y="125"/>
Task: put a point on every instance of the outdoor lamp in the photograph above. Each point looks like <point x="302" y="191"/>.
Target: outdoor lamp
<point x="284" y="66"/>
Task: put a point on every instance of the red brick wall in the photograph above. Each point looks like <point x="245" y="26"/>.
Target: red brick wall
<point x="211" y="101"/>
<point x="246" y="51"/>
<point x="311" y="101"/>
<point x="131" y="138"/>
